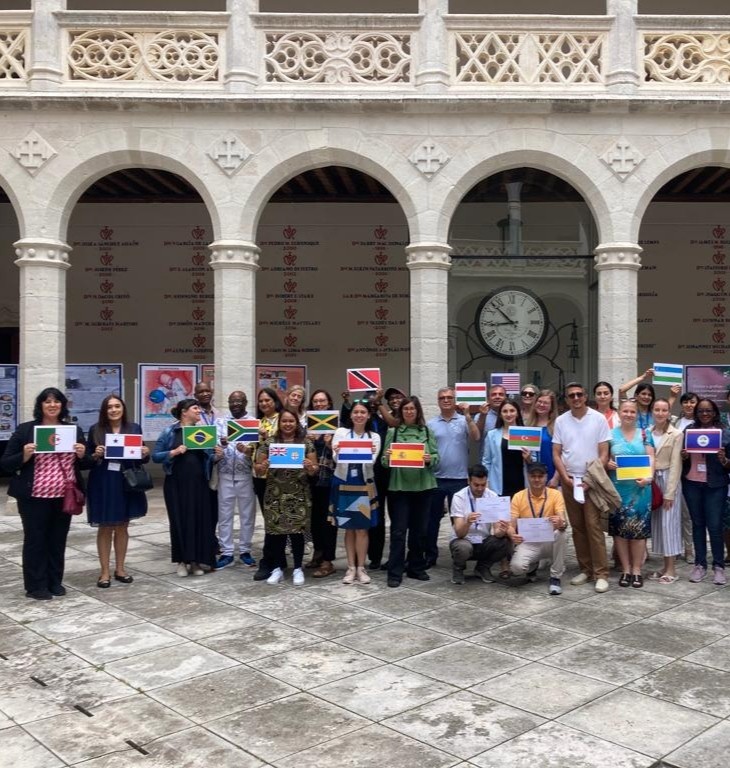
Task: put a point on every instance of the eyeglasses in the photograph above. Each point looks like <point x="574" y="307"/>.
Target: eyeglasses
<point x="446" y="397"/>
<point x="575" y="395"/>
<point x="705" y="410"/>
<point x="527" y="393"/>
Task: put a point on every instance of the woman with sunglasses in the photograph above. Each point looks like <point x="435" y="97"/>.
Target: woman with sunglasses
<point x="527" y="402"/>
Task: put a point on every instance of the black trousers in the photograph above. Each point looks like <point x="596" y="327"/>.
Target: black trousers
<point x="275" y="549"/>
<point x="324" y="534"/>
<point x="376" y="534"/>
<point x="409" y="514"/>
<point x="45" y="528"/>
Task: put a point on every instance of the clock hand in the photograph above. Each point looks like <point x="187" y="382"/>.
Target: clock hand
<point x="506" y="316"/>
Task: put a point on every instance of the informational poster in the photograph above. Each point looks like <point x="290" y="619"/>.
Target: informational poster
<point x="8" y="400"/>
<point x="711" y="381"/>
<point x="159" y="388"/>
<point x="280" y="377"/>
<point x="87" y="385"/>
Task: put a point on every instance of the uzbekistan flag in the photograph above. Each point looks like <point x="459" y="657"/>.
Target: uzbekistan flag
<point x="60" y="439"/>
<point x="243" y="430"/>
<point x="702" y="440"/>
<point x="286" y="455"/>
<point x="524" y="437"/>
<point x="355" y="451"/>
<point x="633" y="467"/>
<point x="322" y="421"/>
<point x="474" y="394"/>
<point x="665" y="373"/>
<point x="407" y="455"/>
<point x="363" y="379"/>
<point x="510" y="381"/>
<point x="123" y="447"/>
<point x="197" y="437"/>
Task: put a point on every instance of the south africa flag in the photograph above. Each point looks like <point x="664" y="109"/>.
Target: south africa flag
<point x="243" y="430"/>
<point x="204" y="436"/>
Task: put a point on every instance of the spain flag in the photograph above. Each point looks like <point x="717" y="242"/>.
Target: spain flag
<point x="407" y="455"/>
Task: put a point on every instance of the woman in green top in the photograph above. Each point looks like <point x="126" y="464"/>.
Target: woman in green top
<point x="409" y="494"/>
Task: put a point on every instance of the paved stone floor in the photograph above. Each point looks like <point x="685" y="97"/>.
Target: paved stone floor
<point x="221" y="671"/>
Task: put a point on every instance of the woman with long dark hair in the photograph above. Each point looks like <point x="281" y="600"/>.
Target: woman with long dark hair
<point x="110" y="506"/>
<point x="38" y="483"/>
<point x="644" y="396"/>
<point x="268" y="408"/>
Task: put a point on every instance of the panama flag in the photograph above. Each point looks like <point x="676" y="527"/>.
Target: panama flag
<point x="286" y="455"/>
<point x="243" y="430"/>
<point x="60" y="439"/>
<point x="633" y="467"/>
<point x="197" y="437"/>
<point x="665" y="373"/>
<point x="123" y="447"/>
<point x="524" y="437"/>
<point x="363" y="379"/>
<point x="510" y="381"/>
<point x="322" y="421"/>
<point x="474" y="394"/>
<point x="702" y="440"/>
<point x="407" y="455"/>
<point x="355" y="451"/>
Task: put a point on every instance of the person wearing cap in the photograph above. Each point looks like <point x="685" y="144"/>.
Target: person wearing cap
<point x="537" y="500"/>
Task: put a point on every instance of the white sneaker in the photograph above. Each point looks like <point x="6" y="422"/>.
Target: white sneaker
<point x="349" y="577"/>
<point x="182" y="570"/>
<point x="277" y="576"/>
<point x="581" y="578"/>
<point x="297" y="577"/>
<point x="601" y="585"/>
<point x="362" y="576"/>
<point x="196" y="570"/>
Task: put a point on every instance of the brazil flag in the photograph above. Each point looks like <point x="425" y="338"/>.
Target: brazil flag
<point x="204" y="436"/>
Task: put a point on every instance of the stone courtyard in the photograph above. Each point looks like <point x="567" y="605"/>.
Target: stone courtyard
<point x="222" y="671"/>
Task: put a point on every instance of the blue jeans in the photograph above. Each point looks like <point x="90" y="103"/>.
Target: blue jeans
<point x="446" y="489"/>
<point x="409" y="511"/>
<point x="706" y="509"/>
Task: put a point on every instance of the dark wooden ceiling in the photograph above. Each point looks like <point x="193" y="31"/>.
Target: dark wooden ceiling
<point x="345" y="185"/>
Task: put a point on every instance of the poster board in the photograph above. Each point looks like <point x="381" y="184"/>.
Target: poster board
<point x="86" y="385"/>
<point x="8" y="400"/>
<point x="280" y="376"/>
<point x="160" y="386"/>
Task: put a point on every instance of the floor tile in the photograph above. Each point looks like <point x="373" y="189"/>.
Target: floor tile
<point x="634" y="602"/>
<point x="18" y="748"/>
<point x="709" y="617"/>
<point x="97" y="618"/>
<point x="278" y="602"/>
<point x="528" y="639"/>
<point x="586" y="619"/>
<point x="668" y="639"/>
<point x="516" y="601"/>
<point x="209" y="621"/>
<point x="395" y="641"/>
<point x="342" y="619"/>
<point x="103" y="647"/>
<point x="264" y="638"/>
<point x="716" y="655"/>
<point x="401" y="603"/>
<point x="461" y="620"/>
<point x="708" y="750"/>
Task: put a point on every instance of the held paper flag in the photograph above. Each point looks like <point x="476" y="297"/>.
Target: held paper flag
<point x="243" y="430"/>
<point x="666" y="373"/>
<point x="355" y="451"/>
<point x="510" y="381"/>
<point x="123" y="447"/>
<point x="200" y="436"/>
<point x="60" y="439"/>
<point x="633" y="467"/>
<point x="407" y="455"/>
<point x="702" y="440"/>
<point x="286" y="455"/>
<point x="524" y="437"/>
<point x="363" y="379"/>
<point x="322" y="421"/>
<point x="474" y="394"/>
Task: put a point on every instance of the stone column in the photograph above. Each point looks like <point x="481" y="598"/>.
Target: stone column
<point x="46" y="69"/>
<point x="43" y="264"/>
<point x="618" y="265"/>
<point x="432" y="69"/>
<point x="622" y="75"/>
<point x="429" y="264"/>
<point x="242" y="52"/>
<point x="234" y="264"/>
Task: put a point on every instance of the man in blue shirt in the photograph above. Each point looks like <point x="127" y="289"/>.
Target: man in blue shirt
<point x="453" y="428"/>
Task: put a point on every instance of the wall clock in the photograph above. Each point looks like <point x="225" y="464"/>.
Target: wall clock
<point x="511" y="322"/>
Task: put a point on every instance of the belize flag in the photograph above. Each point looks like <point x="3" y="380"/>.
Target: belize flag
<point x="474" y="394"/>
<point x="702" y="440"/>
<point x="60" y="439"/>
<point x="633" y="467"/>
<point x="524" y="437"/>
<point x="123" y="447"/>
<point x="286" y="455"/>
<point x="407" y="455"/>
<point x="355" y="451"/>
<point x="242" y="430"/>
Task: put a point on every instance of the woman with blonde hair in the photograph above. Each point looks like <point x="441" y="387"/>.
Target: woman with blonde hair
<point x="543" y="415"/>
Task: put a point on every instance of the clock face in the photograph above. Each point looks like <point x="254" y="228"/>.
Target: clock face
<point x="511" y="322"/>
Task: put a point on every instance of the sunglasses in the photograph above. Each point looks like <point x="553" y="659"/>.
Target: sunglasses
<point x="575" y="395"/>
<point x="527" y="393"/>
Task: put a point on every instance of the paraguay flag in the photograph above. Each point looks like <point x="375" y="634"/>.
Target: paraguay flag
<point x="123" y="447"/>
<point x="199" y="437"/>
<point x="286" y="455"/>
<point x="633" y="467"/>
<point x="355" y="451"/>
<point x="474" y="394"/>
<point x="665" y="373"/>
<point x="524" y="437"/>
<point x="407" y="455"/>
<point x="243" y="430"/>
<point x="702" y="440"/>
<point x="363" y="379"/>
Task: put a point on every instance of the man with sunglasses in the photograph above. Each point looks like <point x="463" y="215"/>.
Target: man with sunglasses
<point x="581" y="435"/>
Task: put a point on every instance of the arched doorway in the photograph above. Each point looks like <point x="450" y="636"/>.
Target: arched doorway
<point x="333" y="289"/>
<point x="522" y="289"/>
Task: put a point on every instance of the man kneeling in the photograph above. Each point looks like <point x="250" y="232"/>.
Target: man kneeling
<point x="538" y="501"/>
<point x="474" y="540"/>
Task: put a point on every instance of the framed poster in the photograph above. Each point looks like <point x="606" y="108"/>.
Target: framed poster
<point x="280" y="377"/>
<point x="159" y="388"/>
<point x="8" y="400"/>
<point x="711" y="381"/>
<point x="86" y="385"/>
<point x="207" y="374"/>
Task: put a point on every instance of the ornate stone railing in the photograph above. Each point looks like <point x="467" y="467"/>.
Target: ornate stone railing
<point x="524" y="51"/>
<point x="14" y="47"/>
<point x="139" y="48"/>
<point x="685" y="50"/>
<point x="337" y="50"/>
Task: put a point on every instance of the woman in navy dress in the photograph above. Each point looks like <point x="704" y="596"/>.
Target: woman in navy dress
<point x="110" y="507"/>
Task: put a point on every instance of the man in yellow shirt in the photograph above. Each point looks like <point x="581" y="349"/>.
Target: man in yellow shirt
<point x="538" y="501"/>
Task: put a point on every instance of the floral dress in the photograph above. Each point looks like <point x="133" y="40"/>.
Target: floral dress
<point x="632" y="520"/>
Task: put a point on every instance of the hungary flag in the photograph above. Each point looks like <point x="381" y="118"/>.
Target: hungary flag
<point x="474" y="394"/>
<point x="60" y="439"/>
<point x="203" y="436"/>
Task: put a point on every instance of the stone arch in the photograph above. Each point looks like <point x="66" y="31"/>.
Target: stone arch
<point x="16" y="202"/>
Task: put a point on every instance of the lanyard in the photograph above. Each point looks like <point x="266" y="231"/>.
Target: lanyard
<point x="473" y="507"/>
<point x="532" y="509"/>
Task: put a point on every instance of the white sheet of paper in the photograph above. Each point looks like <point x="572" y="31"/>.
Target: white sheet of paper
<point x="493" y="508"/>
<point x="536" y="529"/>
<point x="114" y="466"/>
<point x="578" y="492"/>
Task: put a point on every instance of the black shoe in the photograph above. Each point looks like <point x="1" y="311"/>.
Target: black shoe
<point x="262" y="574"/>
<point x="58" y="591"/>
<point x="419" y="575"/>
<point x="39" y="594"/>
<point x="394" y="581"/>
<point x="374" y="565"/>
<point x="625" y="580"/>
<point x="123" y="579"/>
<point x="430" y="563"/>
<point x="384" y="565"/>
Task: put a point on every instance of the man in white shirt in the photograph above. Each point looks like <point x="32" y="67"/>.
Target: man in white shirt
<point x="474" y="539"/>
<point x="581" y="435"/>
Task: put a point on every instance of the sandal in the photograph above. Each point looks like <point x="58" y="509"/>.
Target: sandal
<point x="637" y="581"/>
<point x="625" y="580"/>
<point x="667" y="579"/>
<point x="325" y="569"/>
<point x="504" y="575"/>
<point x="656" y="576"/>
<point x="315" y="562"/>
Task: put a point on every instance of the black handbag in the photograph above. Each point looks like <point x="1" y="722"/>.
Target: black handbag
<point x="137" y="480"/>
